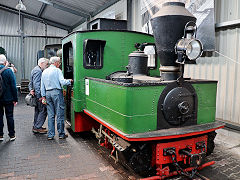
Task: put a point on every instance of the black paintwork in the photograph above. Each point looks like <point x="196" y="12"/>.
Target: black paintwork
<point x="176" y="131"/>
<point x="170" y="112"/>
<point x="138" y="63"/>
<point x="110" y="24"/>
<point x="174" y="25"/>
<point x="147" y="83"/>
<point x="120" y="76"/>
<point x="168" y="27"/>
<point x="170" y="75"/>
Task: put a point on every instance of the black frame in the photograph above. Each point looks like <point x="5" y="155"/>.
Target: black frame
<point x="93" y="45"/>
<point x="65" y="57"/>
<point x="163" y="123"/>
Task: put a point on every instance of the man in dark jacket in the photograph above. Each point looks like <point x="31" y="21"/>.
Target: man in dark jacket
<point x="40" y="112"/>
<point x="8" y="99"/>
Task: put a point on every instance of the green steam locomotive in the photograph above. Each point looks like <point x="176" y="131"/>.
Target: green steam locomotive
<point x="154" y="124"/>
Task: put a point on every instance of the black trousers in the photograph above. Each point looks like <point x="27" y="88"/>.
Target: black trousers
<point x="8" y="108"/>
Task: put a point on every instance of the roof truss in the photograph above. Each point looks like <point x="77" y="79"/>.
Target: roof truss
<point x="42" y="10"/>
<point x="36" y="18"/>
<point x="64" y="7"/>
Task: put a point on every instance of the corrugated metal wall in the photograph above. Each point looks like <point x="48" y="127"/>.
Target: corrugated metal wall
<point x="9" y="26"/>
<point x="31" y="46"/>
<point x="12" y="46"/>
<point x="9" y="23"/>
<point x="11" y="41"/>
<point x="223" y="67"/>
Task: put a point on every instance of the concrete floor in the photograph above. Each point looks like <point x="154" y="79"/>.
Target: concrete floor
<point x="80" y="157"/>
<point x="226" y="155"/>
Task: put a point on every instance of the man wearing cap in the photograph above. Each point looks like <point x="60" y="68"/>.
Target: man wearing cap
<point x="8" y="98"/>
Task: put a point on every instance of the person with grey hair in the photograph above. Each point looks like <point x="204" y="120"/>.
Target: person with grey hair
<point x="8" y="98"/>
<point x="11" y="66"/>
<point x="40" y="111"/>
<point x="52" y="94"/>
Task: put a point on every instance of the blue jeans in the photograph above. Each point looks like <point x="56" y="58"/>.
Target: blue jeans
<point x="9" y="115"/>
<point x="55" y="107"/>
<point x="40" y="115"/>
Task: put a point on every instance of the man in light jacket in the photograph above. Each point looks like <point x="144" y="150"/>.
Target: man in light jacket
<point x="40" y="111"/>
<point x="52" y="94"/>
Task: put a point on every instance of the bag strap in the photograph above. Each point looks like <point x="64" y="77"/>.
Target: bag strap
<point x="31" y="82"/>
<point x="3" y="69"/>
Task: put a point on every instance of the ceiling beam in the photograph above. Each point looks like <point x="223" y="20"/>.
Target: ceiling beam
<point x="99" y="10"/>
<point x="105" y="6"/>
<point x="225" y="24"/>
<point x="63" y="7"/>
<point x="36" y="18"/>
<point x="43" y="7"/>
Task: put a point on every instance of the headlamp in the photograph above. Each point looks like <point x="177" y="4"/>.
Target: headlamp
<point x="188" y="48"/>
<point x="191" y="48"/>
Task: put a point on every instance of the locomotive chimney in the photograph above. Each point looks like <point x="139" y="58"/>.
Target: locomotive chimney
<point x="168" y="27"/>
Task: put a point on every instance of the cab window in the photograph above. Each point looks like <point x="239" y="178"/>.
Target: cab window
<point x="93" y="53"/>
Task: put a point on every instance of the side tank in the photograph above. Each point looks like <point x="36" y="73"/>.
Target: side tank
<point x="168" y="27"/>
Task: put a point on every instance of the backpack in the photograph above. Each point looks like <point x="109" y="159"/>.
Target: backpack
<point x="1" y="81"/>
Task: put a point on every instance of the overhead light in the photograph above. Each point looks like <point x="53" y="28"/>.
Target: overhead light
<point x="20" y="6"/>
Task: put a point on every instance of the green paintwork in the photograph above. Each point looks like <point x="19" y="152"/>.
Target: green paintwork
<point x="119" y="44"/>
<point x="134" y="109"/>
<point x="206" y="102"/>
<point x="129" y="109"/>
